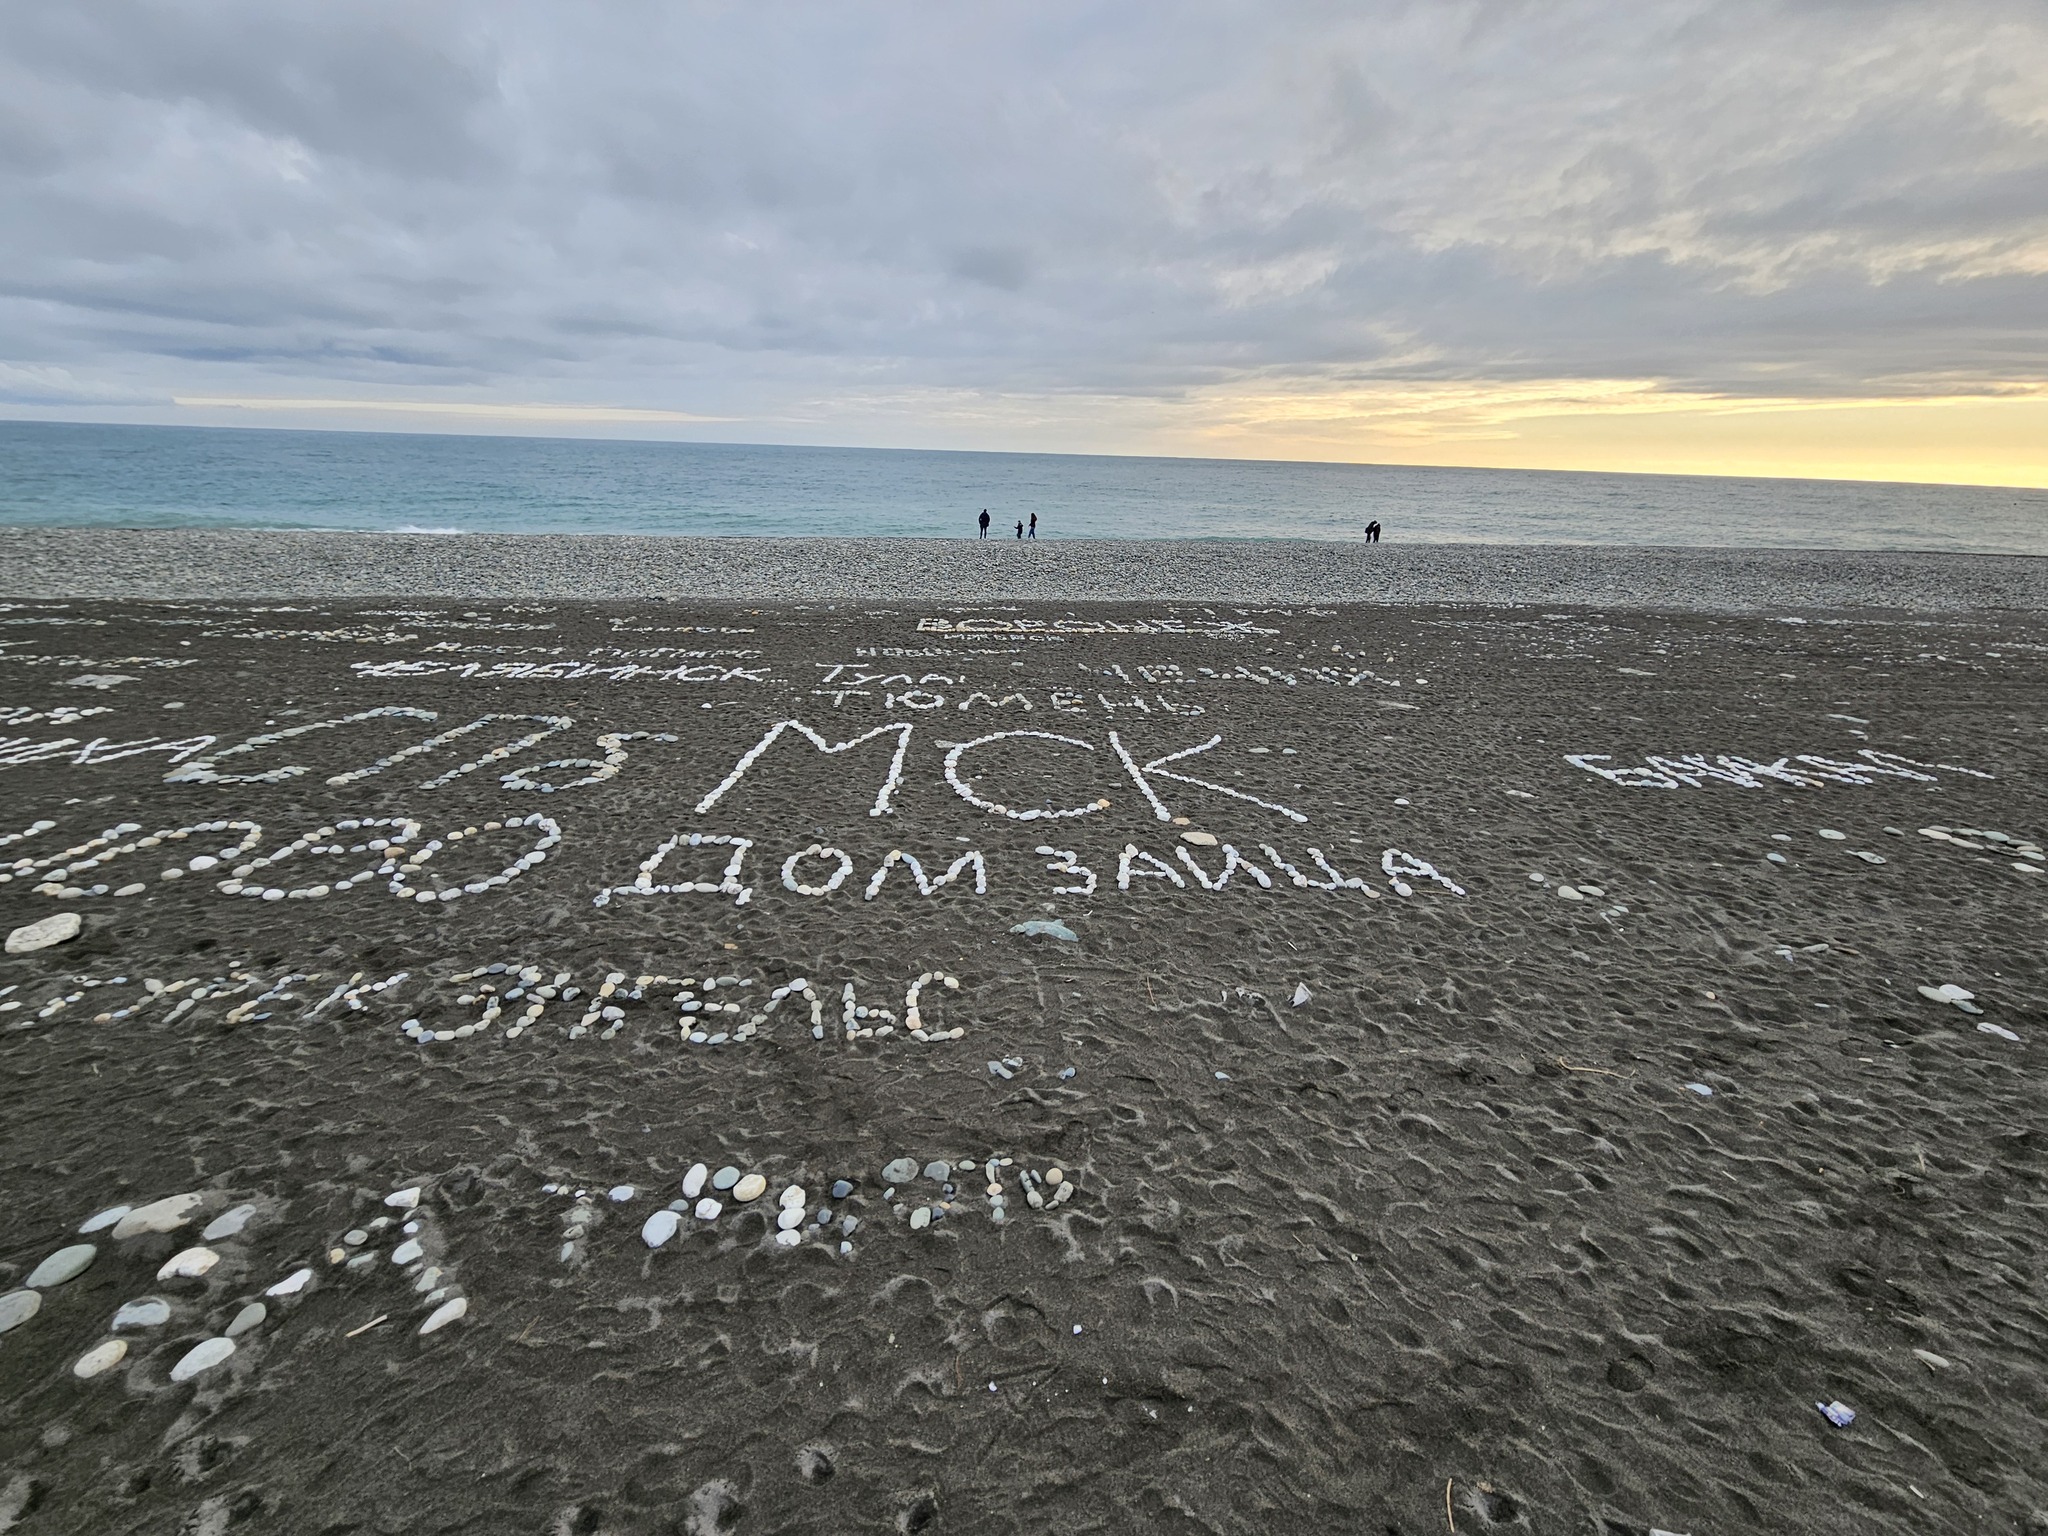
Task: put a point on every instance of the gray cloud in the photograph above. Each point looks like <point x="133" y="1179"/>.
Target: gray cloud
<point x="738" y="209"/>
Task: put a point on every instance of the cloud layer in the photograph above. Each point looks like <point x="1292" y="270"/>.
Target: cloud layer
<point x="1019" y="219"/>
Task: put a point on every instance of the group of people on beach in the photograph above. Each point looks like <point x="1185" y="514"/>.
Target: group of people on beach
<point x="1022" y="533"/>
<point x="1372" y="529"/>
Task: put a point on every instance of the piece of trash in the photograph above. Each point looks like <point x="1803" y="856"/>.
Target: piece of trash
<point x="100" y="680"/>
<point x="1222" y="1077"/>
<point x="1841" y="1415"/>
<point x="1066" y="1073"/>
<point x="1931" y="1360"/>
<point x="1301" y="993"/>
<point x="1701" y="1089"/>
<point x="1077" y="1327"/>
<point x="382" y="1317"/>
<point x="1051" y="930"/>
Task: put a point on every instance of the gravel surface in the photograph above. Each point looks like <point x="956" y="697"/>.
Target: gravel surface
<point x="198" y="563"/>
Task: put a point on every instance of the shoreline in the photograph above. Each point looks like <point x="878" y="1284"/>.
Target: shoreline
<point x="44" y="563"/>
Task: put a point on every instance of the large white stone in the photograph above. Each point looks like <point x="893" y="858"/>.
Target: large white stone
<point x="693" y="1181"/>
<point x="203" y="1356"/>
<point x="165" y="1215"/>
<point x="406" y="1251"/>
<point x="446" y="1313"/>
<point x="403" y="1199"/>
<point x="291" y="1284"/>
<point x="189" y="1265"/>
<point x="251" y="1316"/>
<point x="142" y="1312"/>
<point x="64" y="1264"/>
<point x="752" y="1187"/>
<point x="100" y="1358"/>
<point x="17" y="1307"/>
<point x="659" y="1228"/>
<point x="43" y="933"/>
<point x="228" y="1223"/>
<point x="104" y="1219"/>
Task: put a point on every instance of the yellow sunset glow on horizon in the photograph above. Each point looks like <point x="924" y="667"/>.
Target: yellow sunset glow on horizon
<point x="1624" y="426"/>
<point x="1632" y="427"/>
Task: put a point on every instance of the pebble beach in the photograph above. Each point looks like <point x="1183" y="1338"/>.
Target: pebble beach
<point x="200" y="563"/>
<point x="656" y="1035"/>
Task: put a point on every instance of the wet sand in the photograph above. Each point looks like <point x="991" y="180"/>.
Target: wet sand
<point x="1457" y="1225"/>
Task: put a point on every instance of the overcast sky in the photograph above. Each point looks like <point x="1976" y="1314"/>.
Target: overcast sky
<point x="1121" y="226"/>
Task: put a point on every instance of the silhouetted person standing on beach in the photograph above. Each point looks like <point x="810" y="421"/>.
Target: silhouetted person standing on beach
<point x="1020" y="530"/>
<point x="984" y="522"/>
<point x="1034" y="527"/>
<point x="1372" y="531"/>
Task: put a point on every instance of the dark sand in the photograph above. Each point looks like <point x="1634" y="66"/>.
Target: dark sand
<point x="1457" y="1220"/>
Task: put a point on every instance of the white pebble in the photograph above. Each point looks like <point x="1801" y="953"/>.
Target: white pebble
<point x="228" y="1223"/>
<point x="106" y="1218"/>
<point x="659" y="1228"/>
<point x="65" y="1264"/>
<point x="251" y="1316"/>
<point x="189" y="1265"/>
<point x="446" y="1313"/>
<point x="203" y="1356"/>
<point x="100" y="1358"/>
<point x="166" y="1215"/>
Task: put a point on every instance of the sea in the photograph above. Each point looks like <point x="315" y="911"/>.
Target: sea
<point x="79" y="475"/>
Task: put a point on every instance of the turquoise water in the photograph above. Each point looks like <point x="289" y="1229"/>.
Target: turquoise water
<point x="171" y="477"/>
